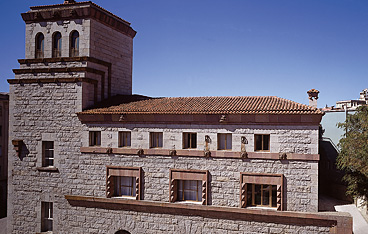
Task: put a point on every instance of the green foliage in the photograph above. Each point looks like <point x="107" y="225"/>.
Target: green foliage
<point x="353" y="157"/>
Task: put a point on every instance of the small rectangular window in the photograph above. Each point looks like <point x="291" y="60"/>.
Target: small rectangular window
<point x="224" y="141"/>
<point x="47" y="153"/>
<point x="156" y="139"/>
<point x="189" y="140"/>
<point x="189" y="190"/>
<point x="262" y="195"/>
<point x="124" y="139"/>
<point x="46" y="216"/>
<point x="94" y="138"/>
<point x="262" y="142"/>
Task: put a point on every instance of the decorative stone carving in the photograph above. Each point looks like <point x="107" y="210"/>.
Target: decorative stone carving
<point x="109" y="150"/>
<point x="172" y="152"/>
<point x="244" y="154"/>
<point x="223" y="118"/>
<point x="283" y="156"/>
<point x="244" y="140"/>
<point x="140" y="152"/>
<point x="122" y="117"/>
<point x="207" y="153"/>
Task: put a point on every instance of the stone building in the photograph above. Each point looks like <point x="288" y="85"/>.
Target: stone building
<point x="4" y="123"/>
<point x="87" y="156"/>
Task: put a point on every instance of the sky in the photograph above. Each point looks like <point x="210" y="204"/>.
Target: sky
<point x="230" y="47"/>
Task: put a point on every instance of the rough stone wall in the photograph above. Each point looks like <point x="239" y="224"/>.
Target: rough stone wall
<point x="41" y="112"/>
<point x="92" y="220"/>
<point x="112" y="46"/>
<point x="65" y="27"/>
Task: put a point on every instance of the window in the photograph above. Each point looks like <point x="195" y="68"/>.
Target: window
<point x="46" y="216"/>
<point x="156" y="139"/>
<point x="56" y="45"/>
<point x="74" y="44"/>
<point x="123" y="182"/>
<point x="47" y="153"/>
<point x="262" y="142"/>
<point x="189" y="190"/>
<point x="224" y="141"/>
<point x="189" y="185"/>
<point x="40" y="45"/>
<point x="189" y="140"/>
<point x="124" y="139"/>
<point x="261" y="190"/>
<point x="94" y="138"/>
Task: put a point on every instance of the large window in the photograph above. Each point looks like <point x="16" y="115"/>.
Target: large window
<point x="189" y="190"/>
<point x="189" y="140"/>
<point x="74" y="44"/>
<point x="124" y="186"/>
<point x="156" y="139"/>
<point x="261" y="190"/>
<point x="189" y="185"/>
<point x="56" y="45"/>
<point x="262" y="195"/>
<point x="47" y="153"/>
<point x="224" y="141"/>
<point x="262" y="142"/>
<point x="40" y="45"/>
<point x="94" y="138"/>
<point x="124" y="139"/>
<point x="123" y="182"/>
<point x="46" y="216"/>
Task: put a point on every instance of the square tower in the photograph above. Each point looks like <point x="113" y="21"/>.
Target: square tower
<point x="81" y="42"/>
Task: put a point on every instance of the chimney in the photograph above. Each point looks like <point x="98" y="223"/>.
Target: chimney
<point x="313" y="96"/>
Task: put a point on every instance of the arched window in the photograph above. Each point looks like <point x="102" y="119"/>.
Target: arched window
<point x="56" y="45"/>
<point x="122" y="232"/>
<point x="74" y="44"/>
<point x="40" y="46"/>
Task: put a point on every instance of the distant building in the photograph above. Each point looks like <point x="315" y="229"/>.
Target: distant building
<point x="349" y="104"/>
<point x="4" y="123"/>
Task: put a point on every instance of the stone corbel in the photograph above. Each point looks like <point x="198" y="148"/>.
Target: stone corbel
<point x="282" y="156"/>
<point x="207" y="153"/>
<point x="172" y="152"/>
<point x="140" y="152"/>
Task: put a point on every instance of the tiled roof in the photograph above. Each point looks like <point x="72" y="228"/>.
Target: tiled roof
<point x="205" y="105"/>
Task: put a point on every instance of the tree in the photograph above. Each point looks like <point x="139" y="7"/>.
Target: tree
<point x="353" y="157"/>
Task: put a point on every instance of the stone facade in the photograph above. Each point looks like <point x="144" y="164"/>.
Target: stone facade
<point x="46" y="96"/>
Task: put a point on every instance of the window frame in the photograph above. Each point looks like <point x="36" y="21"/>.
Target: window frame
<point x="39" y="52"/>
<point x="262" y="142"/>
<point x="47" y="221"/>
<point x="159" y="138"/>
<point x="177" y="175"/>
<point x="94" y="138"/>
<point x="57" y="45"/>
<point x="261" y="179"/>
<point x="226" y="141"/>
<point x="188" y="136"/>
<point x="45" y="158"/>
<point x="118" y="171"/>
<point x="74" y="50"/>
<point x="128" y="139"/>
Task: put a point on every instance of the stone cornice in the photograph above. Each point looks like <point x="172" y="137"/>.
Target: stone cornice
<point x="201" y="153"/>
<point x="82" y="10"/>
<point x="236" y="119"/>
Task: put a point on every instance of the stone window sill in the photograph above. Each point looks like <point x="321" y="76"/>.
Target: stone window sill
<point x="47" y="169"/>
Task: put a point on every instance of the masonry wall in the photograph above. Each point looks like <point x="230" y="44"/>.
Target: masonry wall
<point x="116" y="48"/>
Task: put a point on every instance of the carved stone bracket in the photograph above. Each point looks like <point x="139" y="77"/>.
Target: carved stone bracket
<point x="244" y="154"/>
<point x="140" y="152"/>
<point x="207" y="153"/>
<point x="172" y="152"/>
<point x="283" y="156"/>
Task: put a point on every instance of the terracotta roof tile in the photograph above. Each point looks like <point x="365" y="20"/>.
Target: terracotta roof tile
<point x="203" y="105"/>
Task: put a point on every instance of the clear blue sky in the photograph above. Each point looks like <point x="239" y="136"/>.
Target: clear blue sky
<point x="230" y="47"/>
